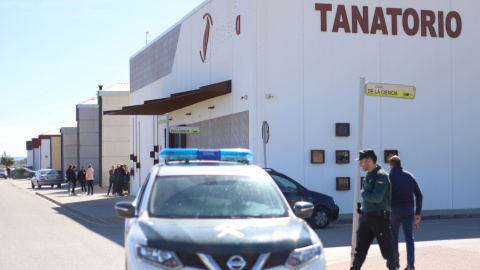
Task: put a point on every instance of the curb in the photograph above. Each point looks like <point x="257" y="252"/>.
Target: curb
<point x="427" y="217"/>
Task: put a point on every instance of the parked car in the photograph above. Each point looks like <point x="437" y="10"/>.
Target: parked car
<point x="3" y="173"/>
<point x="326" y="209"/>
<point x="22" y="173"/>
<point x="219" y="213"/>
<point x="46" y="177"/>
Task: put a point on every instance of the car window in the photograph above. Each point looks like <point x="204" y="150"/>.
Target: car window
<point x="201" y="196"/>
<point x="142" y="191"/>
<point x="285" y="185"/>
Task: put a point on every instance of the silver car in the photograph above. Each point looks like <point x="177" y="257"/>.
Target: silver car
<point x="209" y="209"/>
<point x="46" y="177"/>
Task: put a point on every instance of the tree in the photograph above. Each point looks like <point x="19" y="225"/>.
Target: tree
<point x="7" y="160"/>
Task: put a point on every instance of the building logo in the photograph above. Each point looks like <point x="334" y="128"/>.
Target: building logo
<point x="411" y="21"/>
<point x="206" y="35"/>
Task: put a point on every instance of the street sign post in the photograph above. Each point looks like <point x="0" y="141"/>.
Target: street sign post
<point x="377" y="90"/>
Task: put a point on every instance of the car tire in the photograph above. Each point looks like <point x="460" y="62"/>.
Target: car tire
<point x="59" y="185"/>
<point x="33" y="186"/>
<point x="320" y="218"/>
<point x="51" y="186"/>
<point x="39" y="187"/>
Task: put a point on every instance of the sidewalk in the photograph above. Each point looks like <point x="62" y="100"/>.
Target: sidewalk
<point x="97" y="208"/>
<point x="426" y="215"/>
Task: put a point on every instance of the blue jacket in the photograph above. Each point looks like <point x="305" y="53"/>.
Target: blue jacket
<point x="377" y="191"/>
<point x="404" y="186"/>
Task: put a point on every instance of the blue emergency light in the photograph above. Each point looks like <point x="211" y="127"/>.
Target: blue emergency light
<point x="226" y="154"/>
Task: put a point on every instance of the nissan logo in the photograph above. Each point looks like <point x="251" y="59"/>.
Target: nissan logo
<point x="236" y="262"/>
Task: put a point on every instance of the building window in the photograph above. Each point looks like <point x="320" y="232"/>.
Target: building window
<point x="387" y="154"/>
<point x="317" y="156"/>
<point x="342" y="156"/>
<point x="343" y="183"/>
<point x="342" y="129"/>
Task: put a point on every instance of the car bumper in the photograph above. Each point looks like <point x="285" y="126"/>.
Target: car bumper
<point x="136" y="263"/>
<point x="50" y="182"/>
<point x="334" y="212"/>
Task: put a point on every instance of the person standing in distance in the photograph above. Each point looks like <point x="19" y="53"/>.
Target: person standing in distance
<point x="71" y="178"/>
<point x="405" y="210"/>
<point x="119" y="179"/>
<point x="81" y="178"/>
<point x="89" y="177"/>
<point x="375" y="212"/>
<point x="111" y="179"/>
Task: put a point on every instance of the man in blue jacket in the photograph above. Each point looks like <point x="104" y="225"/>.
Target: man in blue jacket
<point x="375" y="211"/>
<point x="404" y="186"/>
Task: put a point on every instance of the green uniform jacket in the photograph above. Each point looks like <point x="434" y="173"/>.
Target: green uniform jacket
<point x="377" y="191"/>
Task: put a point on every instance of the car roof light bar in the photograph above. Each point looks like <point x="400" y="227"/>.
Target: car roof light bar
<point x="225" y="154"/>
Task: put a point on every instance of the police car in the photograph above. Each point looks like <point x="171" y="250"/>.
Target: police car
<point x="210" y="209"/>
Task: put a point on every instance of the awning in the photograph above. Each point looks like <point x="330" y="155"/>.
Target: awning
<point x="175" y="101"/>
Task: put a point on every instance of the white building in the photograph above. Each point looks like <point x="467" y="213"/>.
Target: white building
<point x="297" y="65"/>
<point x="114" y="130"/>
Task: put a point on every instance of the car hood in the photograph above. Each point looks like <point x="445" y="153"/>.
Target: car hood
<point x="227" y="235"/>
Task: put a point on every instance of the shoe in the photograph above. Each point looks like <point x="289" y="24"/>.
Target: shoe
<point x="74" y="194"/>
<point x="409" y="267"/>
<point x="69" y="194"/>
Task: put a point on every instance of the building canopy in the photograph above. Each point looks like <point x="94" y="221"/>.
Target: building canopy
<point x="176" y="101"/>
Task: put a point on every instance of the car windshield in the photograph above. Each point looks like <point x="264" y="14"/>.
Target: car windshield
<point x="48" y="172"/>
<point x="214" y="196"/>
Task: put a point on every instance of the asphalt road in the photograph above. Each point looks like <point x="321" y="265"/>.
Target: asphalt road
<point x="37" y="234"/>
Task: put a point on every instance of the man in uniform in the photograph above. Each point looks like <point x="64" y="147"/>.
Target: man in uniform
<point x="404" y="186"/>
<point x="375" y="211"/>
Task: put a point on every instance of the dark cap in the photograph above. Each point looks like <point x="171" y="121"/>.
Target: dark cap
<point x="367" y="153"/>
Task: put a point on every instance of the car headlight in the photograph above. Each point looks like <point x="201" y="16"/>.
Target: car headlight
<point x="162" y="258"/>
<point x="301" y="257"/>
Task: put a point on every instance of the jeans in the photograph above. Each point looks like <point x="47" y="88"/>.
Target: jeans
<point x="73" y="187"/>
<point x="84" y="188"/>
<point x="90" y="187"/>
<point x="404" y="215"/>
<point x="111" y="186"/>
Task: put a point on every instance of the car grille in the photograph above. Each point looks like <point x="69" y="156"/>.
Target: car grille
<point x="191" y="259"/>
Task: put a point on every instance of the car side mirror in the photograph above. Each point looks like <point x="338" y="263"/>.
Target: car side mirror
<point x="303" y="209"/>
<point x="125" y="209"/>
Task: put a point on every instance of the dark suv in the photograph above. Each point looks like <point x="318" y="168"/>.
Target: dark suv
<point x="326" y="209"/>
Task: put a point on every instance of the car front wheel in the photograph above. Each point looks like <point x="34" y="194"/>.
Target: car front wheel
<point x="33" y="186"/>
<point x="320" y="218"/>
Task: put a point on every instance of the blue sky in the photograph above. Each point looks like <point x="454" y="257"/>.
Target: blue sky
<point x="55" y="53"/>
